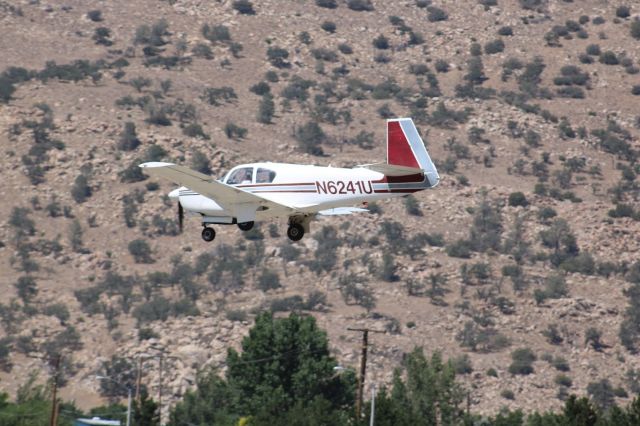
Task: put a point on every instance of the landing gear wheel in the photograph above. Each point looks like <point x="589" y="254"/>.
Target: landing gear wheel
<point x="208" y="234"/>
<point x="245" y="226"/>
<point x="295" y="232"/>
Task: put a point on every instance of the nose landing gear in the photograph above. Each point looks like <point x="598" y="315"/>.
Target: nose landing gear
<point x="245" y="226"/>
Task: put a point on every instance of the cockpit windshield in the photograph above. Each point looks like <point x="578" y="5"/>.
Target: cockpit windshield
<point x="243" y="175"/>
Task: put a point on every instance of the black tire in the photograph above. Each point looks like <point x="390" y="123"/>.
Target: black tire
<point x="295" y="232"/>
<point x="245" y="226"/>
<point x="208" y="234"/>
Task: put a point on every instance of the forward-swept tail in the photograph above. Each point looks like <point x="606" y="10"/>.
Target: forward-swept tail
<point x="405" y="148"/>
<point x="406" y="153"/>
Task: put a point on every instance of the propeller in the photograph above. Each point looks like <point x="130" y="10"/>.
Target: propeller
<point x="180" y="216"/>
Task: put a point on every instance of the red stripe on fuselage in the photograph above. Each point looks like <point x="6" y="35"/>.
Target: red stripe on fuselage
<point x="398" y="149"/>
<point x="397" y="191"/>
<point x="290" y="190"/>
<point x="254" y="185"/>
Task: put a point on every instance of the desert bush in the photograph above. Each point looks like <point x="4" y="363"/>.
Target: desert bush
<point x="593" y="50"/>
<point x="266" y="109"/>
<point x="412" y="206"/>
<point x="328" y="4"/>
<point x="128" y="138"/>
<point x="237" y="315"/>
<point x="355" y="291"/>
<point x="216" y="33"/>
<point x="140" y="251"/>
<point x="277" y="56"/>
<point x="323" y="54"/>
<point x="623" y="11"/>
<point x="269" y="280"/>
<point x="27" y="288"/>
<point x="310" y="138"/>
<point x="522" y="361"/>
<point x="635" y="29"/>
<point x="158" y="115"/>
<point x="328" y="26"/>
<point x="81" y="190"/>
<point x="95" y="15"/>
<point x="287" y="304"/>
<point x="217" y="95"/>
<point x="152" y="35"/>
<point x="233" y="131"/>
<point x="360" y="5"/>
<point x="601" y="393"/>
<point x="75" y="236"/>
<point x="156" y="309"/>
<point x="345" y="48"/>
<point x="146" y="333"/>
<point x="460" y="248"/>
<point x="493" y="47"/>
<point x="462" y="364"/>
<point x="58" y="310"/>
<point x="571" y="92"/>
<point x="244" y="7"/>
<point x="200" y="162"/>
<point x="447" y="118"/>
<point x="261" y="88"/>
<point x="195" y="130"/>
<point x="518" y="199"/>
<point x="475" y="49"/>
<point x="505" y="31"/>
<point x="381" y="42"/>
<point x="563" y="380"/>
<point x="202" y="50"/>
<point x="101" y="36"/>
<point x="436" y="14"/>
<point x="635" y="90"/>
<point x="6" y="89"/>
<point x="609" y="58"/>
<point x="531" y="4"/>
<point x="592" y="337"/>
<point x="552" y="334"/>
<point x="507" y="394"/>
<point x="441" y="66"/>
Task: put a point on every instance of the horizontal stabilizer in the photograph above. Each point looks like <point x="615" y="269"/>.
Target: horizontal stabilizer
<point x="392" y="169"/>
<point x="341" y="210"/>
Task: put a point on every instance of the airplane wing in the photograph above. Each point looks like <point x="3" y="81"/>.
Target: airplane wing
<point x="241" y="203"/>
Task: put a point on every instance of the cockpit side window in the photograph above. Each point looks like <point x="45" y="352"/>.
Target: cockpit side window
<point x="240" y="176"/>
<point x="265" y="175"/>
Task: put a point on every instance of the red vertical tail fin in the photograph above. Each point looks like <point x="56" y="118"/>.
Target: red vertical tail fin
<point x="405" y="148"/>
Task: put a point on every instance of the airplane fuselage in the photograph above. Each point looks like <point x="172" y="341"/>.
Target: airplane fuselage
<point x="304" y="186"/>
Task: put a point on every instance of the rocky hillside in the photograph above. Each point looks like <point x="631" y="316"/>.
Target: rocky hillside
<point x="531" y="241"/>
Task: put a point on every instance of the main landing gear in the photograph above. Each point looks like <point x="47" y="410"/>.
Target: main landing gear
<point x="295" y="232"/>
<point x="298" y="226"/>
<point x="208" y="234"/>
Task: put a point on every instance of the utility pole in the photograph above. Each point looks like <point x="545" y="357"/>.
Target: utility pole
<point x="363" y="366"/>
<point x="139" y="379"/>
<point x="53" y="419"/>
<point x="160" y="389"/>
<point x="373" y="406"/>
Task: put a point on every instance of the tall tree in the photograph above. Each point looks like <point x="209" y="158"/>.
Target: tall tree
<point x="284" y="375"/>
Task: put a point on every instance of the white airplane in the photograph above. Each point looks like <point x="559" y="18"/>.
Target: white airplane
<point x="259" y="191"/>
